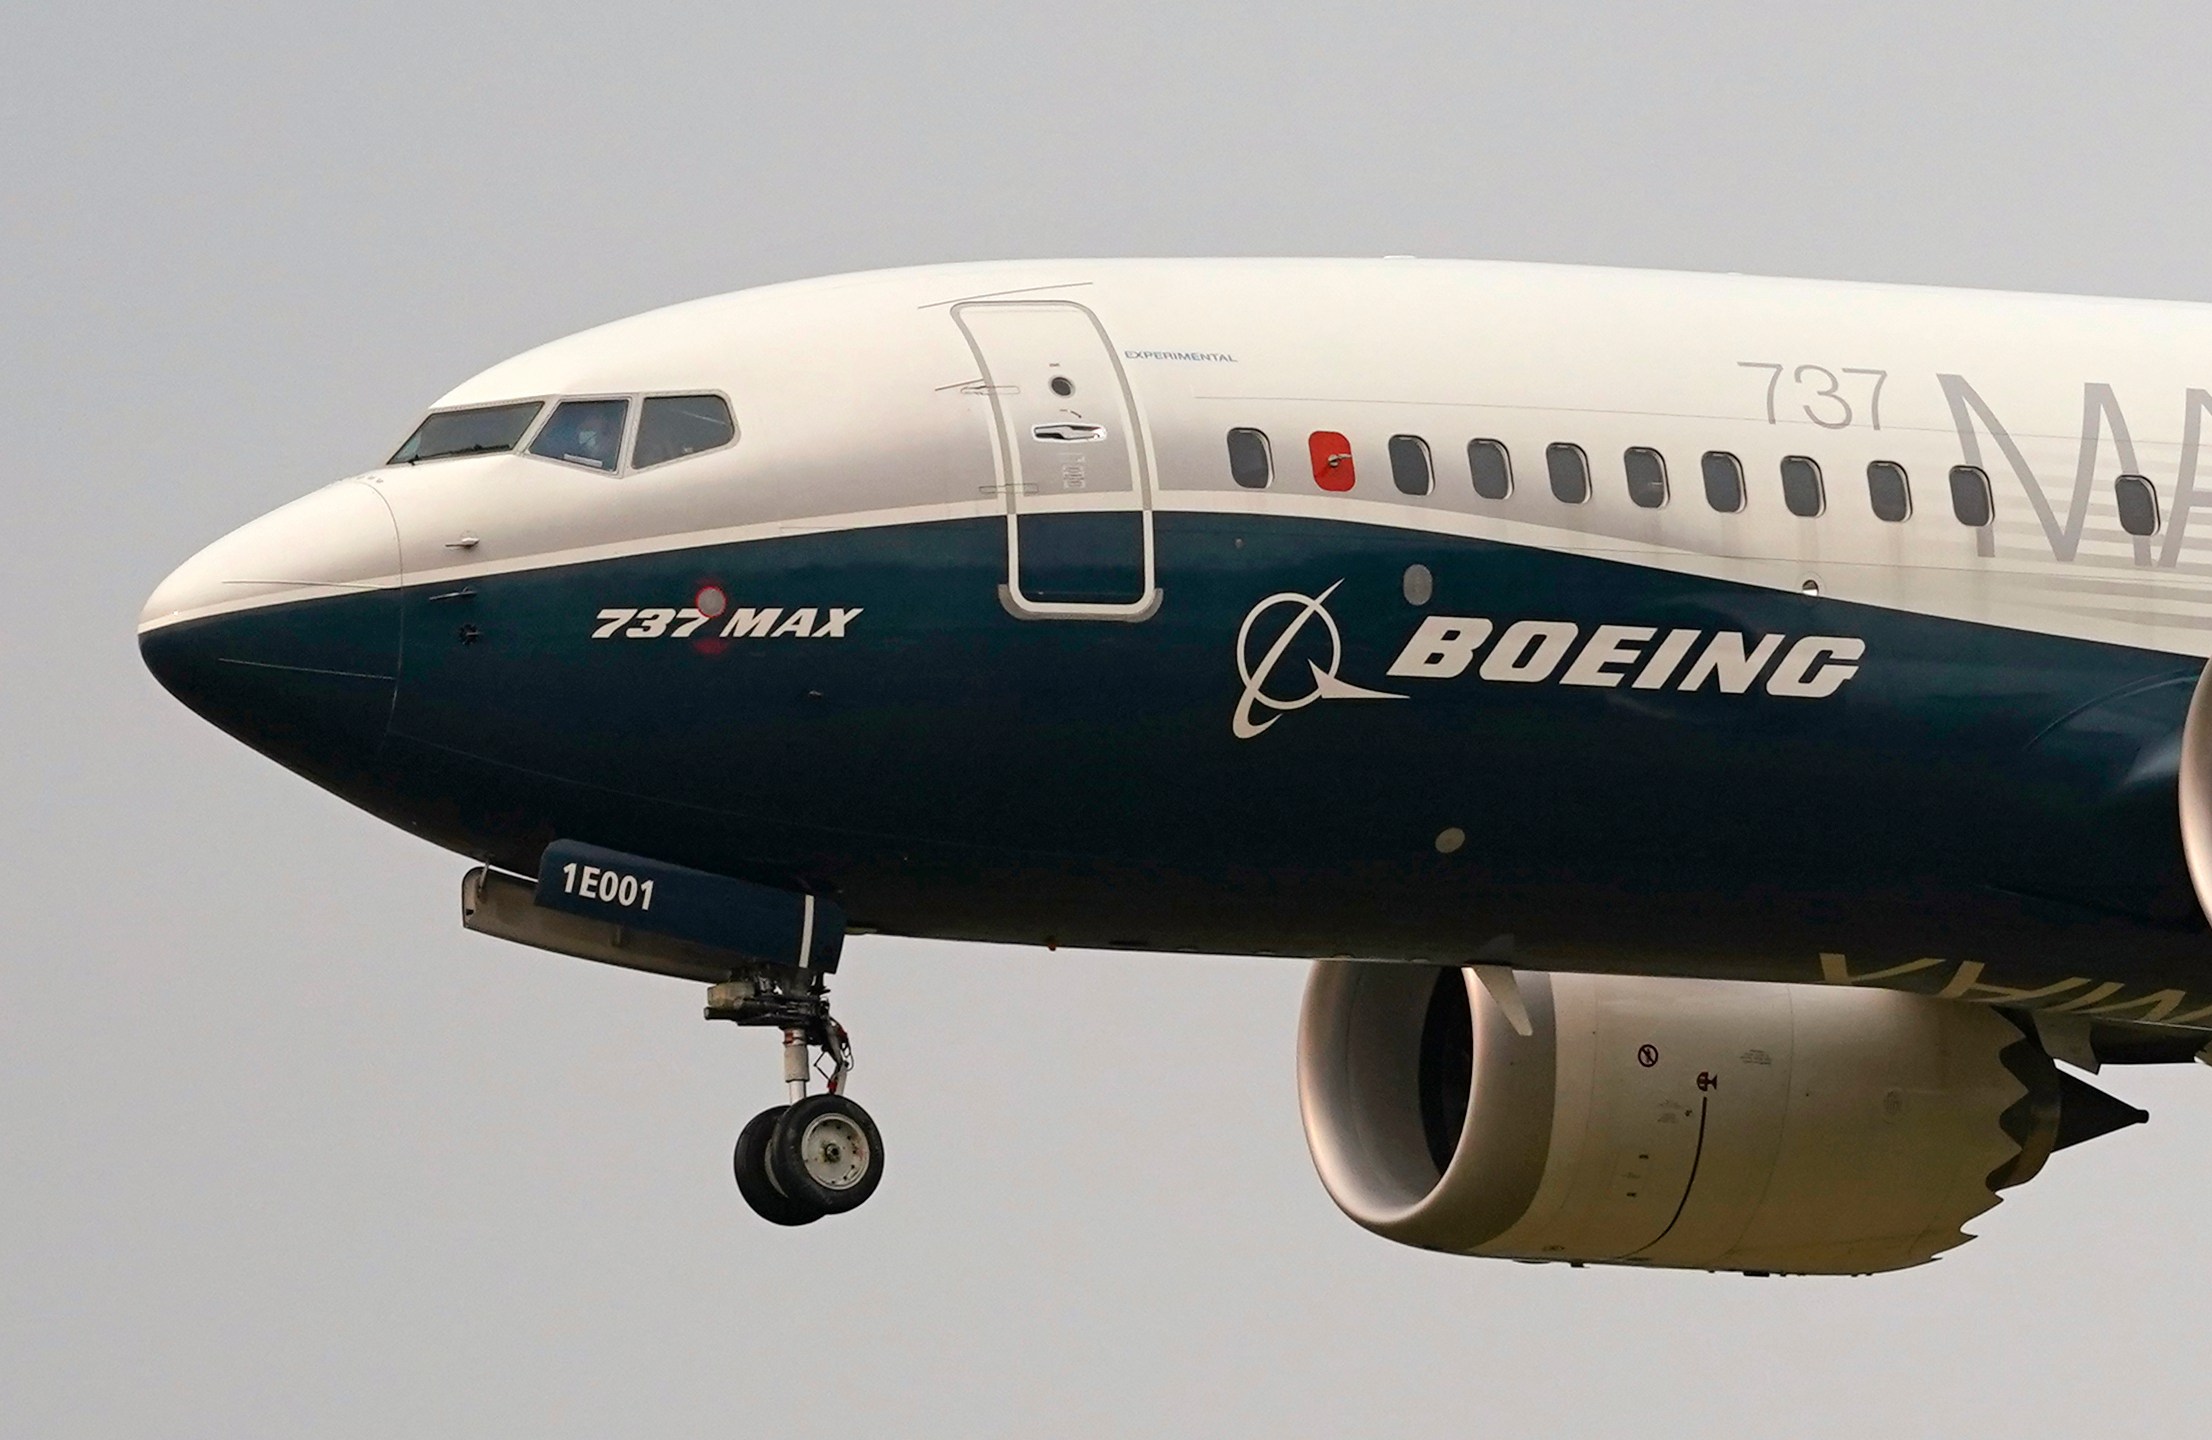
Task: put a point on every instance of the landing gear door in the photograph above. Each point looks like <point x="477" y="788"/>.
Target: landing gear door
<point x="1070" y="462"/>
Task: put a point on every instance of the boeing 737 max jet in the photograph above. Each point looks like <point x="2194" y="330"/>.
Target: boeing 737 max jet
<point x="1717" y="741"/>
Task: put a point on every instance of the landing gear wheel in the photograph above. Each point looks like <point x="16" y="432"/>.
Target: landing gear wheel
<point x="825" y="1153"/>
<point x="754" y="1181"/>
<point x="821" y="1154"/>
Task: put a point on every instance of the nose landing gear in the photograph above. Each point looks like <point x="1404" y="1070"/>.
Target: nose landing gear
<point x="815" y="1155"/>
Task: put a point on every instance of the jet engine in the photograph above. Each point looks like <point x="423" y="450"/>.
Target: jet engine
<point x="1696" y="1124"/>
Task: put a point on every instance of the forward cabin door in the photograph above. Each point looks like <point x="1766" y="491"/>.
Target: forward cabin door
<point x="1071" y="462"/>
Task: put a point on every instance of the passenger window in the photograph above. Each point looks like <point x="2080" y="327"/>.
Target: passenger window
<point x="584" y="432"/>
<point x="484" y="430"/>
<point x="1801" y="488"/>
<point x="1251" y="463"/>
<point x="1647" y="476"/>
<point x="1887" y="489"/>
<point x="1970" y="495"/>
<point x="1409" y="464"/>
<point x="1723" y="481"/>
<point x="2138" y="504"/>
<point x="670" y="427"/>
<point x="1331" y="454"/>
<point x="1491" y="467"/>
<point x="1570" y="473"/>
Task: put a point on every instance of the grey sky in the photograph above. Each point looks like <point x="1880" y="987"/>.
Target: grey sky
<point x="286" y="1153"/>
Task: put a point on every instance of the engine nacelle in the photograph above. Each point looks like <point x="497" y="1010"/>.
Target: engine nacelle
<point x="1711" y="1125"/>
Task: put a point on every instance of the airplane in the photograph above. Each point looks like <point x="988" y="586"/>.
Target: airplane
<point x="1719" y="743"/>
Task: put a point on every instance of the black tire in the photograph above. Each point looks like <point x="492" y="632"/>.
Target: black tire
<point x="750" y="1162"/>
<point x="826" y="1152"/>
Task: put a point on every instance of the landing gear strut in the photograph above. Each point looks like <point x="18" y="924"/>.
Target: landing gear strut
<point x="814" y="1155"/>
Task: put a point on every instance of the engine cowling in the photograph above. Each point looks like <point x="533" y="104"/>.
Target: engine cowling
<point x="1714" y="1125"/>
<point x="2194" y="790"/>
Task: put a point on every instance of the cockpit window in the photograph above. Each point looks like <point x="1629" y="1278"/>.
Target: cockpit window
<point x="483" y="430"/>
<point x="673" y="426"/>
<point x="584" y="432"/>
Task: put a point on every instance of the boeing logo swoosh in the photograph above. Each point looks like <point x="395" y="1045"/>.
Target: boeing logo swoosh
<point x="1326" y="685"/>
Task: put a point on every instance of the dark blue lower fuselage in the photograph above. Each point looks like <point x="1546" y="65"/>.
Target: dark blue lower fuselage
<point x="945" y="768"/>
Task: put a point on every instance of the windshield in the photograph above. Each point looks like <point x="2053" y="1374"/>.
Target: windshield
<point x="673" y="426"/>
<point x="584" y="432"/>
<point x="480" y="431"/>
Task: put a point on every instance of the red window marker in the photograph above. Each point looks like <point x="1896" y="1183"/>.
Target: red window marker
<point x="1332" y="460"/>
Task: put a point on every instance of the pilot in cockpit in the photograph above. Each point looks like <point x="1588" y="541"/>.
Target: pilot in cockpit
<point x="584" y="432"/>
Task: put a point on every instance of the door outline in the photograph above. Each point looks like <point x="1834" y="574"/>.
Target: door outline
<point x="1006" y="472"/>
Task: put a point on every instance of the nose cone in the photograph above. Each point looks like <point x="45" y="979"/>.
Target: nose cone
<point x="285" y="632"/>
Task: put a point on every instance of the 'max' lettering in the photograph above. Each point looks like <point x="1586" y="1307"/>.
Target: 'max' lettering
<point x="745" y="622"/>
<point x="2100" y="413"/>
